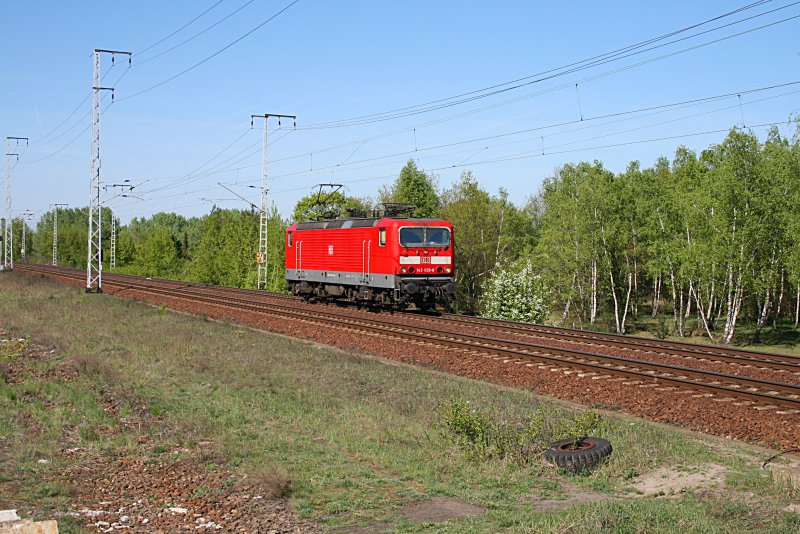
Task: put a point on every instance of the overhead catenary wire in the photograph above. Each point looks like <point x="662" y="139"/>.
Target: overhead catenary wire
<point x="68" y="143"/>
<point x="189" y="178"/>
<point x="208" y="58"/>
<point x="41" y="140"/>
<point x="439" y="121"/>
<point x="179" y="29"/>
<point x="539" y="155"/>
<point x="547" y="75"/>
<point x="195" y="36"/>
<point x="530" y="154"/>
<point x="656" y="108"/>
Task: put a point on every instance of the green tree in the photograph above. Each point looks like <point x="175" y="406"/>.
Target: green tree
<point x="328" y="205"/>
<point x="414" y="187"/>
<point x="488" y="231"/>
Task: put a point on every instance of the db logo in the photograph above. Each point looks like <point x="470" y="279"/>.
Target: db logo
<point x="330" y="250"/>
<point x="425" y="259"/>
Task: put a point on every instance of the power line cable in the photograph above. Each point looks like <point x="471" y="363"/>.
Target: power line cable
<point x="179" y="29"/>
<point x="187" y="179"/>
<point x="195" y="36"/>
<point x="68" y="142"/>
<point x="539" y="155"/>
<point x="215" y="54"/>
<point x="40" y="141"/>
<point x="662" y="107"/>
<point x="547" y="75"/>
<point x="549" y="149"/>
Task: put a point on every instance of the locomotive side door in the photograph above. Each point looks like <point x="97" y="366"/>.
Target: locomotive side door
<point x="298" y="259"/>
<point x="366" y="261"/>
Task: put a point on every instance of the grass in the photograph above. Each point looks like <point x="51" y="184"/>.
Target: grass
<point x="349" y="439"/>
<point x="783" y="339"/>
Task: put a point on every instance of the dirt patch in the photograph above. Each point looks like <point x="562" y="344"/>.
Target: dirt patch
<point x="440" y="509"/>
<point x="670" y="482"/>
<point x="144" y="489"/>
<point x="169" y="494"/>
<point x="431" y="511"/>
<point x="574" y="496"/>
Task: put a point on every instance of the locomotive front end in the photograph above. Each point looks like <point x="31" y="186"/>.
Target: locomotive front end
<point x="425" y="270"/>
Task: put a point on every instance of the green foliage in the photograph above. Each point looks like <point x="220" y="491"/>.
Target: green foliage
<point x="515" y="294"/>
<point x="488" y="230"/>
<point x="415" y="187"/>
<point x="481" y="436"/>
<point x="327" y="205"/>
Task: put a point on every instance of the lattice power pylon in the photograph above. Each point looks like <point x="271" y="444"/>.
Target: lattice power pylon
<point x="94" y="260"/>
<point x="113" y="260"/>
<point x="27" y="216"/>
<point x="8" y="238"/>
<point x="262" y="258"/>
<point x="55" y="233"/>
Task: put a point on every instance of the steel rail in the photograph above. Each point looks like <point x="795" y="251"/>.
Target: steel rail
<point x="786" y="362"/>
<point x="758" y="389"/>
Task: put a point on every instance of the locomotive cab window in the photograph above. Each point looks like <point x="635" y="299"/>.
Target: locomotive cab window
<point x="424" y="236"/>
<point x="437" y="237"/>
<point x="382" y="237"/>
<point x="289" y="239"/>
<point x="412" y="237"/>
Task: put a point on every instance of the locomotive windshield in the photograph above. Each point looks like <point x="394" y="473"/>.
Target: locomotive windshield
<point x="424" y="236"/>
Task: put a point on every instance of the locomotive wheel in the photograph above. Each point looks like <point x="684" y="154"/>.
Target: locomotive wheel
<point x="578" y="454"/>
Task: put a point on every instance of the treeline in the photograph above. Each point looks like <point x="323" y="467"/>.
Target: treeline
<point x="218" y="248"/>
<point x="709" y="240"/>
<point x="714" y="235"/>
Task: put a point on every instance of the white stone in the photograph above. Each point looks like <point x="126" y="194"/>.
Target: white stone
<point x="8" y="515"/>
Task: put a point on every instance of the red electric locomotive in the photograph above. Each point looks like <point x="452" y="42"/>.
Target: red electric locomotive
<point x="388" y="261"/>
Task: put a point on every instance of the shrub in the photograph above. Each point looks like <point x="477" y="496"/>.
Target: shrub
<point x="481" y="437"/>
<point x="515" y="294"/>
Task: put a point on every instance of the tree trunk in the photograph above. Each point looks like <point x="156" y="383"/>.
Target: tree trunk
<point x="635" y="303"/>
<point x="778" y="307"/>
<point x="797" y="309"/>
<point x="616" y="301"/>
<point x="627" y="302"/>
<point x="762" y="317"/>
<point x="656" y="294"/>
<point x="712" y="298"/>
<point x="688" y="312"/>
<point x="701" y="314"/>
<point x="734" y="305"/>
<point x="677" y="304"/>
<point x="569" y="299"/>
<point x="593" y="310"/>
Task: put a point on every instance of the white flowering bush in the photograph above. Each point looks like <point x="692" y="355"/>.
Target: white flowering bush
<point x="515" y="293"/>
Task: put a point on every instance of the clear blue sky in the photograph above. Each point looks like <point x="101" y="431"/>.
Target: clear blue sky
<point x="329" y="61"/>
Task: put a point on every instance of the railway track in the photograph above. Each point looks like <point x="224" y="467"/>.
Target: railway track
<point x="688" y="351"/>
<point x="630" y="371"/>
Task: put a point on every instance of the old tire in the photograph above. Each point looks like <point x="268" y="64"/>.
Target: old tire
<point x="588" y="453"/>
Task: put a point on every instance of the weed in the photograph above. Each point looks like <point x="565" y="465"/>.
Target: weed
<point x="660" y="329"/>
<point x="12" y="348"/>
<point x="199" y="492"/>
<point x="53" y="489"/>
<point x="274" y="481"/>
<point x="482" y="437"/>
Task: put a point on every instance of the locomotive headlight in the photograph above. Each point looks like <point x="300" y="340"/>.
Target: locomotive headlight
<point x="403" y="270"/>
<point x="448" y="270"/>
